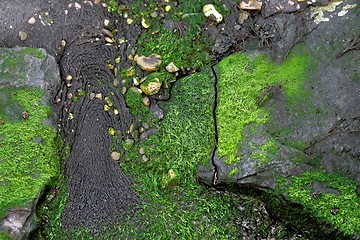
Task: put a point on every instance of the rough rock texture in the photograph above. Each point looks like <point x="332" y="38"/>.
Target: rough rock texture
<point x="98" y="190"/>
<point x="326" y="124"/>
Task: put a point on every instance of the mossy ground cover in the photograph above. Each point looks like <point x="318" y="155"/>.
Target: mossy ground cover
<point x="341" y="210"/>
<point x="28" y="156"/>
<point x="181" y="40"/>
<point x="175" y="205"/>
<point x="245" y="83"/>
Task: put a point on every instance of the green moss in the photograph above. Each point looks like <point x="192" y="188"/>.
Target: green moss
<point x="134" y="102"/>
<point x="182" y="44"/>
<point x="26" y="166"/>
<point x="3" y="236"/>
<point x="175" y="205"/>
<point x="234" y="171"/>
<point x="346" y="205"/>
<point x="244" y="83"/>
<point x="35" y="52"/>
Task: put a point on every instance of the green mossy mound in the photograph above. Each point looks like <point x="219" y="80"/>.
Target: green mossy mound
<point x="29" y="150"/>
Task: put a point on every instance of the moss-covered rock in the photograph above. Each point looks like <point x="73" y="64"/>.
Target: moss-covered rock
<point x="29" y="144"/>
<point x="290" y="130"/>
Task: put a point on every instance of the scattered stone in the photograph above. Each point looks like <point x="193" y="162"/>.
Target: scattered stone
<point x="144" y="136"/>
<point x="145" y="125"/>
<point x="23" y="35"/>
<point x="71" y="116"/>
<point x="144" y="158"/>
<point x="69" y="95"/>
<point x="98" y="96"/>
<point x="244" y="15"/>
<point x="171" y="68"/>
<point x="136" y="90"/>
<point x="115" y="156"/>
<point x="129" y="21"/>
<point x="106" y="22"/>
<point x="106" y="108"/>
<point x="32" y="20"/>
<point x="251" y="5"/>
<point x="136" y="81"/>
<point x="132" y="127"/>
<point x="116" y="112"/>
<point x="167" y="8"/>
<point x="109" y="40"/>
<point x="24" y="115"/>
<point x="68" y="78"/>
<point x="151" y="87"/>
<point x="130" y="71"/>
<point x="63" y="43"/>
<point x="112" y="131"/>
<point x="116" y="81"/>
<point x="135" y="135"/>
<point x="209" y="10"/>
<point x="154" y="14"/>
<point x="150" y="63"/>
<point x="129" y="143"/>
<point x="92" y="96"/>
<point x="123" y="90"/>
<point x="146" y="101"/>
<point x="144" y="24"/>
<point x="118" y="59"/>
<point x="107" y="33"/>
<point x="141" y="129"/>
<point x="142" y="151"/>
<point x="108" y="101"/>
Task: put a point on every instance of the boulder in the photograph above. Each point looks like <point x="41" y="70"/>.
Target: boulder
<point x="26" y="74"/>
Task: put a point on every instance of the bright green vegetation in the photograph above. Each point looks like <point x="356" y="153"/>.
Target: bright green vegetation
<point x="35" y="52"/>
<point x="245" y="82"/>
<point x="180" y="40"/>
<point x="175" y="205"/>
<point x="134" y="102"/>
<point x="3" y="236"/>
<point x="26" y="166"/>
<point x="28" y="156"/>
<point x="346" y="205"/>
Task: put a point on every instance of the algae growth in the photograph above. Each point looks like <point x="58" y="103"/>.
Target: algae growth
<point x="245" y="83"/>
<point x="28" y="156"/>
